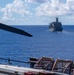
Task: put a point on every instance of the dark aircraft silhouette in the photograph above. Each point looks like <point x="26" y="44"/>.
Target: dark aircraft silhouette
<point x="14" y="30"/>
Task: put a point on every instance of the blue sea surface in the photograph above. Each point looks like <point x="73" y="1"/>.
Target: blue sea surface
<point x="43" y="43"/>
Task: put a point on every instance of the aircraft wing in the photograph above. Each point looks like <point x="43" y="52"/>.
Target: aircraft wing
<point x="14" y="30"/>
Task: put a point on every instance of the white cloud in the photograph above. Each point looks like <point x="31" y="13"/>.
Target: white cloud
<point x="56" y="8"/>
<point x="36" y="1"/>
<point x="70" y="6"/>
<point x="18" y="7"/>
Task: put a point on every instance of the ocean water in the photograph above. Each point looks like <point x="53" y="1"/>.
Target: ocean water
<point x="43" y="43"/>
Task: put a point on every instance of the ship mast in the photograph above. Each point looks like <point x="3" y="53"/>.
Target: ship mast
<point x="56" y="19"/>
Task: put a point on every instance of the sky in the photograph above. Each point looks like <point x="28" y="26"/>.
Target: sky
<point x="36" y="12"/>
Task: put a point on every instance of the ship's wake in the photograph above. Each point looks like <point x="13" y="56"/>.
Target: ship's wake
<point x="63" y="32"/>
<point x="67" y="32"/>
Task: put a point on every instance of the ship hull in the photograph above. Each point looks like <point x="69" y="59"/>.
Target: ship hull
<point x="54" y="30"/>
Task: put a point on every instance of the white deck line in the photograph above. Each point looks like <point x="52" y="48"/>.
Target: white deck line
<point x="22" y="70"/>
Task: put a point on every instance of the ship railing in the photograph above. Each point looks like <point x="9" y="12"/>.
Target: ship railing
<point x="30" y="63"/>
<point x="10" y="61"/>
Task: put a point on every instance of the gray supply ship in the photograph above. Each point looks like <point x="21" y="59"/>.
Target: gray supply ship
<point x="55" y="26"/>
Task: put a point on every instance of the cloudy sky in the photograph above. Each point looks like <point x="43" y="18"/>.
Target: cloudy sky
<point x="36" y="12"/>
